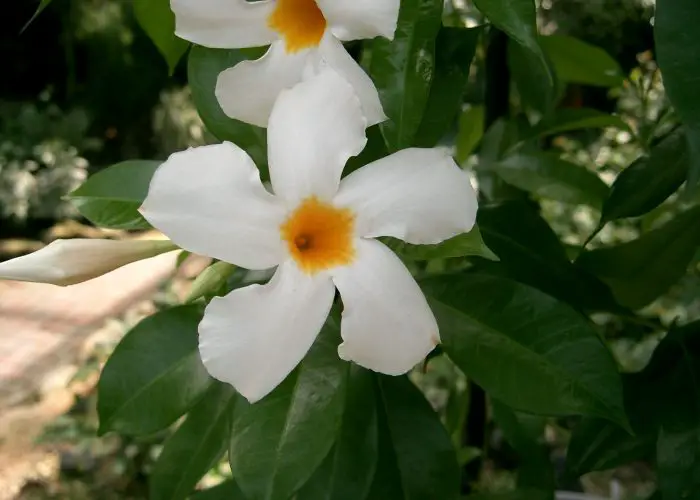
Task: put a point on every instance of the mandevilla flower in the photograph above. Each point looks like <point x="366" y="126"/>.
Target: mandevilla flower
<point x="318" y="231"/>
<point x="302" y="33"/>
<point x="67" y="262"/>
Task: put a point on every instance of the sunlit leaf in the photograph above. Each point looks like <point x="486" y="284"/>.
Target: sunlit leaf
<point x="154" y="375"/>
<point x="158" y="21"/>
<point x="111" y="198"/>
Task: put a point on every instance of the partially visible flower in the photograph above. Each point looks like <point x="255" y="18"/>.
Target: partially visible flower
<point x="304" y="35"/>
<point x="67" y="262"/>
<point x="318" y="231"/>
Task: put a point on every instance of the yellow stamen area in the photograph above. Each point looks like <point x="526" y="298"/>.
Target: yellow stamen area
<point x="319" y="236"/>
<point x="300" y="22"/>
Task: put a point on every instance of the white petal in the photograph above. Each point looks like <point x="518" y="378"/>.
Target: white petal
<point x="314" y="128"/>
<point x="418" y="195"/>
<point x="356" y="19"/>
<point x="209" y="200"/>
<point x="248" y="91"/>
<point x="226" y="24"/>
<point x="67" y="262"/>
<point x="387" y="324"/>
<point x="335" y="55"/>
<point x="255" y="336"/>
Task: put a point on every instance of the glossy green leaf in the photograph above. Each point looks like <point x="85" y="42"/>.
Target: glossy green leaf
<point x="348" y="470"/>
<point x="111" y="198"/>
<point x="210" y="280"/>
<point x="534" y="78"/>
<point x="454" y="52"/>
<point x="517" y="18"/>
<point x="204" y="67"/>
<point x="678" y="53"/>
<point x="154" y="375"/>
<point x="470" y="132"/>
<point x="417" y="460"/>
<point x="228" y="490"/>
<point x="568" y="119"/>
<point x="195" y="447"/>
<point x="403" y="69"/>
<point x="277" y="443"/>
<point x="531" y="252"/>
<point x="524" y="347"/>
<point x="547" y="176"/>
<point x="643" y="269"/>
<point x="465" y="245"/>
<point x="525" y="434"/>
<point x="158" y="21"/>
<point x="649" y="181"/>
<point x="576" y="61"/>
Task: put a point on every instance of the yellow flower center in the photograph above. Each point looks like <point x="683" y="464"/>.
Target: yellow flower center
<point x="319" y="236"/>
<point x="300" y="22"/>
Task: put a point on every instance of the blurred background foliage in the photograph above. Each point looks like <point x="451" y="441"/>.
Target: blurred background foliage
<point x="86" y="88"/>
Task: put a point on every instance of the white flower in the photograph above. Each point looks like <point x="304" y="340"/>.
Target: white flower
<point x="304" y="35"/>
<point x="67" y="262"/>
<point x="318" y="231"/>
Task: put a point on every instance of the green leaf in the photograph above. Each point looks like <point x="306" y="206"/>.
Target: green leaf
<point x="374" y="150"/>
<point x="228" y="490"/>
<point x="195" y="447"/>
<point x="597" y="444"/>
<point x="277" y="443"/>
<point x="402" y="70"/>
<point x="643" y="269"/>
<point x="547" y="176"/>
<point x="416" y="458"/>
<point x="568" y="119"/>
<point x="670" y="387"/>
<point x="678" y="461"/>
<point x="576" y="61"/>
<point x="471" y="130"/>
<point x="348" y="470"/>
<point x="534" y="78"/>
<point x="525" y="348"/>
<point x="465" y="245"/>
<point x="203" y="69"/>
<point x="518" y="18"/>
<point x="154" y="375"/>
<point x="158" y="21"/>
<point x="453" y="57"/>
<point x="678" y="54"/>
<point x="111" y="198"/>
<point x="42" y="6"/>
<point x="531" y="252"/>
<point x="525" y="434"/>
<point x="652" y="402"/>
<point x="210" y="280"/>
<point x="649" y="181"/>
